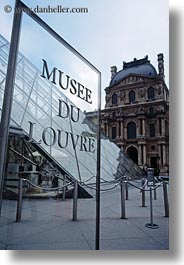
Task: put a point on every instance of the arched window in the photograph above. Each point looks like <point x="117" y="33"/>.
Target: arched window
<point x="132" y="96"/>
<point x="114" y="99"/>
<point x="131" y="130"/>
<point x="151" y="93"/>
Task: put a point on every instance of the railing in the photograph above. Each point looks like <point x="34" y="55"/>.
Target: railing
<point x="20" y="195"/>
<point x="143" y="189"/>
<point x="123" y="182"/>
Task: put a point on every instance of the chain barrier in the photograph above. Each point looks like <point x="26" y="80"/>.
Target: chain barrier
<point x="104" y="181"/>
<point x="87" y="180"/>
<point x="110" y="182"/>
<point x="20" y="194"/>
<point x="47" y="189"/>
<point x="141" y="189"/>
<point x="100" y="189"/>
<point x="122" y="182"/>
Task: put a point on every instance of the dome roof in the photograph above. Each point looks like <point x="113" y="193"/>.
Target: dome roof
<point x="140" y="67"/>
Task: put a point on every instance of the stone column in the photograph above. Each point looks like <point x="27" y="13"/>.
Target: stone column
<point x="122" y="130"/>
<point x="125" y="132"/>
<point x="163" y="127"/>
<point x="137" y="130"/>
<point x="144" y="154"/>
<point x="164" y="154"/>
<point x="107" y="129"/>
<point x="139" y="155"/>
<point x="143" y="127"/>
<point x="159" y="153"/>
<point x="167" y="154"/>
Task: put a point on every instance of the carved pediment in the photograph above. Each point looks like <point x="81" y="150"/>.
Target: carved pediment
<point x="130" y="80"/>
<point x="133" y="79"/>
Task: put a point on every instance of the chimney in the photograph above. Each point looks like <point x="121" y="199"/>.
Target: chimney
<point x="161" y="65"/>
<point x="113" y="71"/>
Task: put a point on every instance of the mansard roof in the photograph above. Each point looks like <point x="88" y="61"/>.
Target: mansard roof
<point x="140" y="67"/>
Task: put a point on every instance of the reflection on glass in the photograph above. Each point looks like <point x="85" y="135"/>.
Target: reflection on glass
<point x="68" y="136"/>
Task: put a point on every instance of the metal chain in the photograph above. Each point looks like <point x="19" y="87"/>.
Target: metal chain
<point x="118" y="182"/>
<point x="47" y="189"/>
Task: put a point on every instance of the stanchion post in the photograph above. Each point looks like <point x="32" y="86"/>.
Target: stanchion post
<point x="151" y="224"/>
<point x="19" y="201"/>
<point x="166" y="202"/>
<point x="64" y="188"/>
<point x="75" y="197"/>
<point x="155" y="193"/>
<point x="143" y="192"/>
<point x="151" y="207"/>
<point x="123" y="214"/>
<point x="126" y="185"/>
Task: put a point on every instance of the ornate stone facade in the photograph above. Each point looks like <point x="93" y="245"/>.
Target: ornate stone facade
<point x="136" y="114"/>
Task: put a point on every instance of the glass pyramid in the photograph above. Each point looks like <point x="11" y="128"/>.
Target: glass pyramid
<point x="36" y="100"/>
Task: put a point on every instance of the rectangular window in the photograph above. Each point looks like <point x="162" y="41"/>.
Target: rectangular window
<point x="113" y="132"/>
<point x="141" y="125"/>
<point x="119" y="128"/>
<point x="152" y="130"/>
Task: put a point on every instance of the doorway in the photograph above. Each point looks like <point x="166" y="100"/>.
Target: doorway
<point x="133" y="154"/>
<point x="154" y="164"/>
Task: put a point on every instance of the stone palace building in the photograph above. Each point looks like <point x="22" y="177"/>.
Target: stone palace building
<point x="136" y="114"/>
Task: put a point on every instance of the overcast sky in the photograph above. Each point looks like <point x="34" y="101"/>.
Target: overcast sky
<point x="111" y="32"/>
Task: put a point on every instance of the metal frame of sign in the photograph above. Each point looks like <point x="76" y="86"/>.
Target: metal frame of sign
<point x="8" y="97"/>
